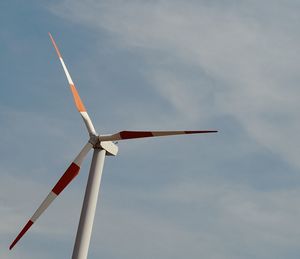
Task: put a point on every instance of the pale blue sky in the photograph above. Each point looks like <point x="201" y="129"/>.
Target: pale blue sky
<point x="157" y="65"/>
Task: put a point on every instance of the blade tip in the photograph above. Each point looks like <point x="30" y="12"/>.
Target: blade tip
<point x="50" y="35"/>
<point x="13" y="244"/>
<point x="21" y="234"/>
<point x="54" y="44"/>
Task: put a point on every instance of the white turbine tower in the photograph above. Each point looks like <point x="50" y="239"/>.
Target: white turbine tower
<point x="103" y="146"/>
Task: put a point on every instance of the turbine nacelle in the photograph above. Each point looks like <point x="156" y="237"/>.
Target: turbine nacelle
<point x="110" y="148"/>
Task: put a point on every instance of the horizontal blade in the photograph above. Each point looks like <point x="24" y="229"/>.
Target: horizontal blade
<point x="78" y="102"/>
<point x="147" y="134"/>
<point x="63" y="182"/>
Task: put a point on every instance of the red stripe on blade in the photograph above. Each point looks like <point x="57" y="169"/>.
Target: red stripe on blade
<point x="201" y="131"/>
<point x="67" y="177"/>
<point x="23" y="231"/>
<point x="135" y="134"/>
<point x="54" y="44"/>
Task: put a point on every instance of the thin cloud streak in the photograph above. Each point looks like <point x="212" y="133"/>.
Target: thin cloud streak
<point x="242" y="222"/>
<point x="249" y="59"/>
<point x="166" y="64"/>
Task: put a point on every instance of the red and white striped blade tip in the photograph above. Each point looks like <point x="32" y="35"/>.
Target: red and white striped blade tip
<point x="145" y="134"/>
<point x="78" y="102"/>
<point x="63" y="182"/>
<point x="71" y="172"/>
<point x="123" y="135"/>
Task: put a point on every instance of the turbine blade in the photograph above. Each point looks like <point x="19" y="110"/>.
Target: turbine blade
<point x="147" y="134"/>
<point x="62" y="183"/>
<point x="78" y="102"/>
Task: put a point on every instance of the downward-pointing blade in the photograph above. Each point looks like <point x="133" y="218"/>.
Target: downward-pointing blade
<point x="62" y="183"/>
<point x="147" y="134"/>
<point x="78" y="102"/>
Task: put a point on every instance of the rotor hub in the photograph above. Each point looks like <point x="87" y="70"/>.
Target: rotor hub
<point x="110" y="148"/>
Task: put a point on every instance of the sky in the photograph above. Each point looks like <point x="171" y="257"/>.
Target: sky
<point x="154" y="65"/>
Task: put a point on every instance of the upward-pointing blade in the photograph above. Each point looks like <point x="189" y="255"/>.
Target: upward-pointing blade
<point x="63" y="182"/>
<point x="78" y="102"/>
<point x="147" y="134"/>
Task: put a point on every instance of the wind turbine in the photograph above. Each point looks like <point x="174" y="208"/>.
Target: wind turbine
<point x="103" y="146"/>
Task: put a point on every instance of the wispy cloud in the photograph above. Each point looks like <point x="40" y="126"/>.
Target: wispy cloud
<point x="212" y="220"/>
<point x="243" y="55"/>
<point x="168" y="64"/>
